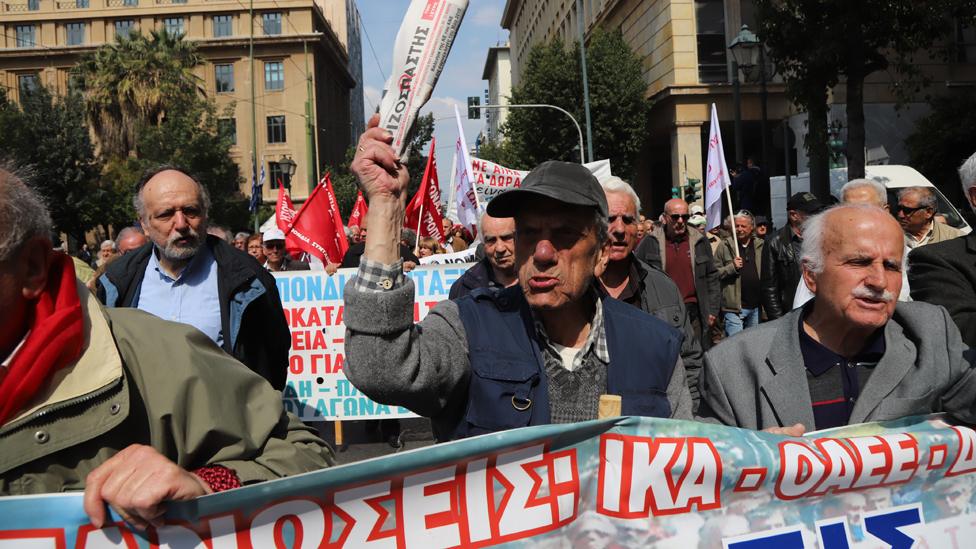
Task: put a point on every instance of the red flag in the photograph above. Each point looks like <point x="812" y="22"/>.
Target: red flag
<point x="426" y="203"/>
<point x="284" y="216"/>
<point x="358" y="211"/>
<point x="317" y="231"/>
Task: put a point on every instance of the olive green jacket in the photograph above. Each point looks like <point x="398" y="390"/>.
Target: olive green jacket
<point x="148" y="381"/>
<point x="729" y="276"/>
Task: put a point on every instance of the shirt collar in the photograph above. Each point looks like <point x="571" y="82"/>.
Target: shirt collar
<point x="818" y="358"/>
<point x="596" y="342"/>
<point x="200" y="259"/>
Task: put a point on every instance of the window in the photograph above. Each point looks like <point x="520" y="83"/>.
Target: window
<point x="227" y="127"/>
<point x="710" y="18"/>
<point x="276" y="129"/>
<point x="81" y="3"/>
<point x="173" y="25"/>
<point x="130" y="3"/>
<point x="74" y="34"/>
<point x="223" y="25"/>
<point x="25" y="36"/>
<point x="224" y="77"/>
<point x="33" y="5"/>
<point x="272" y="23"/>
<point x="274" y="75"/>
<point x="278" y="174"/>
<point x="123" y="27"/>
<point x="27" y="83"/>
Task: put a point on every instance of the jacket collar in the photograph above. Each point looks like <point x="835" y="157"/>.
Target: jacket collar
<point x="100" y="364"/>
<point x="785" y="383"/>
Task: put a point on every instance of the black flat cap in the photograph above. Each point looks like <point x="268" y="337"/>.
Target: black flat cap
<point x="805" y="202"/>
<point x="563" y="181"/>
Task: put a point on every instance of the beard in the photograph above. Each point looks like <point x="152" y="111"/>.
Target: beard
<point x="174" y="251"/>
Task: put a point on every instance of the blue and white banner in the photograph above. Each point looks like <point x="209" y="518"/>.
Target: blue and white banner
<point x="317" y="388"/>
<point x="624" y="482"/>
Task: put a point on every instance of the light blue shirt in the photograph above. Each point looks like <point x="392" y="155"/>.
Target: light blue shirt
<point x="190" y="298"/>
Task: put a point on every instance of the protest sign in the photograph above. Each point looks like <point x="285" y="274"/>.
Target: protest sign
<point x="421" y="49"/>
<point x="317" y="388"/>
<point x="491" y="179"/>
<point x="635" y="482"/>
<point x="464" y="256"/>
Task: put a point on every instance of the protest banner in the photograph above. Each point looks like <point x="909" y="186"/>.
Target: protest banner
<point x="632" y="482"/>
<point x="464" y="256"/>
<point x="419" y="54"/>
<point x="317" y="388"/>
<point x="491" y="179"/>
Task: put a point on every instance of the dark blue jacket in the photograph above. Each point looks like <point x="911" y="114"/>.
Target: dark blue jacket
<point x="508" y="387"/>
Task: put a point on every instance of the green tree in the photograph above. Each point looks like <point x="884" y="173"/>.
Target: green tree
<point x="617" y="106"/>
<point x="943" y="140"/>
<point x="48" y="136"/>
<point x="129" y="84"/>
<point x="818" y="43"/>
<point x="501" y="151"/>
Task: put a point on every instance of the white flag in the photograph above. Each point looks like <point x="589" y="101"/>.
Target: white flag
<point x="468" y="205"/>
<point x="716" y="176"/>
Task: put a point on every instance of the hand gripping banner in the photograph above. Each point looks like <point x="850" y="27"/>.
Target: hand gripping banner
<point x="623" y="482"/>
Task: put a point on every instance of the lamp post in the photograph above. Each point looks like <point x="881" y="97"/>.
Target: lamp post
<point x="287" y="166"/>
<point x="748" y="53"/>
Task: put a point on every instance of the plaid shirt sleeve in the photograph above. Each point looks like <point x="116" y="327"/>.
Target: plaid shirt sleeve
<point x="374" y="276"/>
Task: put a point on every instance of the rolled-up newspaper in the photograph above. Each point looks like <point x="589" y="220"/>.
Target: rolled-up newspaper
<point x="422" y="45"/>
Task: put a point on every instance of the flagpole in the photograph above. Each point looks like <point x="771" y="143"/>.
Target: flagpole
<point x="735" y="239"/>
<point x="416" y="241"/>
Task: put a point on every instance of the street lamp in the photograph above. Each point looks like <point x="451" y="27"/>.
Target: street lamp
<point x="287" y="166"/>
<point x="749" y="53"/>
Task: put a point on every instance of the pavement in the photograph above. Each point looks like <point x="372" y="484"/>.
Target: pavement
<point x="362" y="440"/>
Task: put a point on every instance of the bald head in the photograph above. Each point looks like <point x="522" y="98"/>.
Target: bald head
<point x="676" y="218"/>
<point x="852" y="261"/>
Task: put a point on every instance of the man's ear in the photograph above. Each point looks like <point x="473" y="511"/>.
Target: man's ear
<point x="971" y="195"/>
<point x="602" y="259"/>
<point x="35" y="258"/>
<point x="810" y="280"/>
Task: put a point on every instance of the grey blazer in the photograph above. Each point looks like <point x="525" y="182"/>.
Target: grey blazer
<point x="756" y="379"/>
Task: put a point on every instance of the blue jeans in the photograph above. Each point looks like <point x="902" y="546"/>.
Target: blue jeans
<point x="735" y="322"/>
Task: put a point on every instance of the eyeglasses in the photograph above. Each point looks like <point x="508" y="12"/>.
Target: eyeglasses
<point x="274" y="244"/>
<point x="627" y="219"/>
<point x="675" y="217"/>
<point x="908" y="211"/>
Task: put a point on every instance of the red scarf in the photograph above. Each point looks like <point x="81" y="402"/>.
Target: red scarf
<point x="55" y="340"/>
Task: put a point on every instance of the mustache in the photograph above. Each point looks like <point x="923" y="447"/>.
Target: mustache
<point x="864" y="292"/>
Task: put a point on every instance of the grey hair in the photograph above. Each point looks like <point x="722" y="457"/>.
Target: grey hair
<point x="967" y="174"/>
<point x="744" y="214"/>
<point x="242" y="235"/>
<point x="926" y="198"/>
<point x="614" y="184"/>
<point x="874" y="185"/>
<point x="23" y="214"/>
<point x="110" y="243"/>
<point x="812" y="248"/>
<point x="126" y="232"/>
<point x="140" y="205"/>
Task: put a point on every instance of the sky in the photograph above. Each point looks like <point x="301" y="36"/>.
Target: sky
<point x="480" y="29"/>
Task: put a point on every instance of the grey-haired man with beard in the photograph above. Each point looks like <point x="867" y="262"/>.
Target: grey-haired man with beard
<point x="184" y="275"/>
<point x="853" y="353"/>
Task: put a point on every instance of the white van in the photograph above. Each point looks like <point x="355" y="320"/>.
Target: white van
<point x="892" y="177"/>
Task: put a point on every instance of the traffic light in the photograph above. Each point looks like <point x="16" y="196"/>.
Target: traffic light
<point x="692" y="190"/>
<point x="474" y="113"/>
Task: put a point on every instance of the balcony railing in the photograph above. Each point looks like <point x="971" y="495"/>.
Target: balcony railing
<point x="122" y="3"/>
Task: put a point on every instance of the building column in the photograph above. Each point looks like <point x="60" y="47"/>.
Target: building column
<point x="686" y="152"/>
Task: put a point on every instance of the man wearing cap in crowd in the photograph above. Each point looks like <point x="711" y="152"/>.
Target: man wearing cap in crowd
<point x="276" y="256"/>
<point x="781" y="256"/>
<point x="185" y="275"/>
<point x="544" y="351"/>
<point x="687" y="258"/>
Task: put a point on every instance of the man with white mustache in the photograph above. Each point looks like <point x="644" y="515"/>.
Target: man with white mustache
<point x="184" y="275"/>
<point x="853" y="353"/>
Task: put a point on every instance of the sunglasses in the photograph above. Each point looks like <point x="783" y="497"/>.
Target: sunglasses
<point x="684" y="217"/>
<point x="274" y="244"/>
<point x="906" y="210"/>
<point x="627" y="219"/>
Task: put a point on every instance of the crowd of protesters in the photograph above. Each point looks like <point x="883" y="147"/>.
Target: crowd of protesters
<point x="854" y="312"/>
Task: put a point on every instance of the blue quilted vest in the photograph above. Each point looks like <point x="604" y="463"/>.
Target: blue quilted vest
<point x="508" y="387"/>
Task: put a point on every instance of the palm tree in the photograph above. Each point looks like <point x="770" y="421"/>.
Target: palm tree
<point x="128" y="84"/>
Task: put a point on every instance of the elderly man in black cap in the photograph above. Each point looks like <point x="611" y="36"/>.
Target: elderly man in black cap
<point x="543" y="351"/>
<point x="781" y="256"/>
